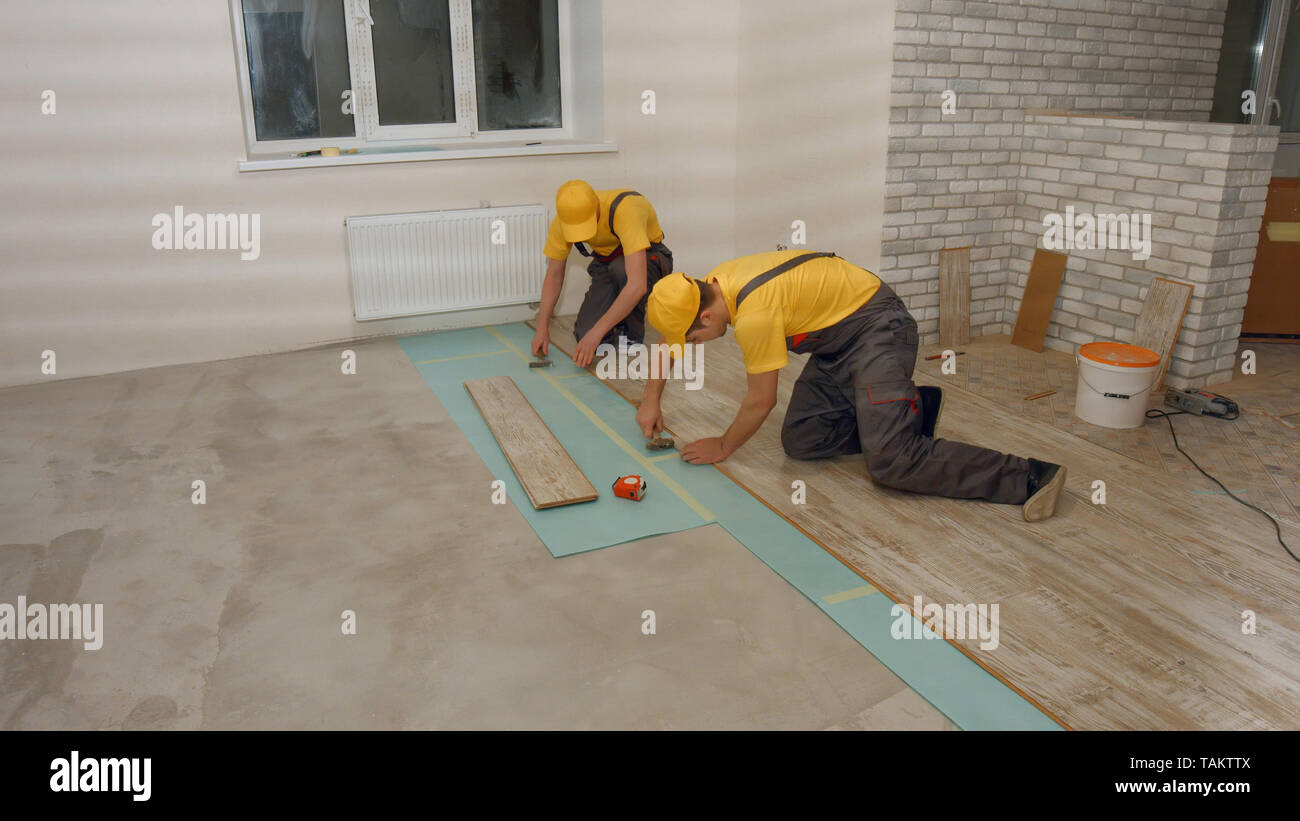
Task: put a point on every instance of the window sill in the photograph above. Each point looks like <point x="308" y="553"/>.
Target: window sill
<point x="422" y="154"/>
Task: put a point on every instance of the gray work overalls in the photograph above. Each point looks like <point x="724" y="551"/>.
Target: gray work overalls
<point x="609" y="275"/>
<point x="856" y="395"/>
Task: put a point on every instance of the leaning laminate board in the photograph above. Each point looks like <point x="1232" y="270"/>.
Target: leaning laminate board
<point x="546" y="470"/>
<point x="1161" y="319"/>
<point x="1036" y="305"/>
<point x="954" y="296"/>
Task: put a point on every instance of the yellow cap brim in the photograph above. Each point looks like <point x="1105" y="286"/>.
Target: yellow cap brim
<point x="679" y="342"/>
<point x="578" y="232"/>
<point x="672" y="306"/>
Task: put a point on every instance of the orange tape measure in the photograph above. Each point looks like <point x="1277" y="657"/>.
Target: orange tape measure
<point x="630" y="487"/>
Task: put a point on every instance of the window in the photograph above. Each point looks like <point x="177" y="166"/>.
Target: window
<point x="1243" y="41"/>
<point x="374" y="74"/>
<point x="1260" y="53"/>
<point x="1287" y="91"/>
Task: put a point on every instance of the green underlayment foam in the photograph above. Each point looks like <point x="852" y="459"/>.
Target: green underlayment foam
<point x="563" y="395"/>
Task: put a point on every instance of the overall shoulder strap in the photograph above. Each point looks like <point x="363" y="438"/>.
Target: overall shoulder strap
<point x="773" y="273"/>
<point x="613" y="206"/>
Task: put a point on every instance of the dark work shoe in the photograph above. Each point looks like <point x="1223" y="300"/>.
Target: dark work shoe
<point x="931" y="408"/>
<point x="1046" y="481"/>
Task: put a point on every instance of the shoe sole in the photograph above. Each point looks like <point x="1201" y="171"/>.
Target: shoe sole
<point x="1042" y="505"/>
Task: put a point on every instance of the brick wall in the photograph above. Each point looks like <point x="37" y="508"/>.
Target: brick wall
<point x="1078" y="55"/>
<point x="958" y="179"/>
<point x="1204" y="185"/>
<point x="951" y="178"/>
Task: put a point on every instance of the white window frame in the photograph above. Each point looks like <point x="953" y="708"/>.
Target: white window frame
<point x="1269" y="66"/>
<point x="368" y="131"/>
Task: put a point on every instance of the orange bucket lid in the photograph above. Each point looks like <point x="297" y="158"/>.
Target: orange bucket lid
<point x="1120" y="354"/>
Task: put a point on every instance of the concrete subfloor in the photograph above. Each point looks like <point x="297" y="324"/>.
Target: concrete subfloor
<point x="328" y="492"/>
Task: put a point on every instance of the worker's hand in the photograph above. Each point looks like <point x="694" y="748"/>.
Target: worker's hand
<point x="705" y="451"/>
<point x="650" y="418"/>
<point x="541" y="341"/>
<point x="585" y="353"/>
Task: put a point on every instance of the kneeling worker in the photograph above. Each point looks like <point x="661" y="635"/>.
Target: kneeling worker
<point x="628" y="257"/>
<point x="855" y="394"/>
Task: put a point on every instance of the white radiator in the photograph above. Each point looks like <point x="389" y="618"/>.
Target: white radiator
<point x="436" y="261"/>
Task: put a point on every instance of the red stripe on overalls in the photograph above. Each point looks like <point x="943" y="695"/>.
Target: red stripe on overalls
<point x="912" y="403"/>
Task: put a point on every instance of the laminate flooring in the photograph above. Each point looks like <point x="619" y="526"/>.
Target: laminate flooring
<point x="1122" y="615"/>
<point x="547" y="472"/>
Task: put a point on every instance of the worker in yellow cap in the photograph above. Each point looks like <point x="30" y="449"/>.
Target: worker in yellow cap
<point x="855" y="394"/>
<point x="619" y="230"/>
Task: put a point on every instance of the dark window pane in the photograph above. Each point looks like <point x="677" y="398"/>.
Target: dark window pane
<point x="298" y="68"/>
<point x="1288" y="77"/>
<point x="412" y="44"/>
<point x="517" y="64"/>
<point x="1243" y="30"/>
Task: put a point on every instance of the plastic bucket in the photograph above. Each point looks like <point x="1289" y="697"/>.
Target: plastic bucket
<point x="1114" y="382"/>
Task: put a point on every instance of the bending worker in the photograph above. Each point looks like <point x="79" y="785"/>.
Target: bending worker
<point x="627" y="258"/>
<point x="855" y="394"/>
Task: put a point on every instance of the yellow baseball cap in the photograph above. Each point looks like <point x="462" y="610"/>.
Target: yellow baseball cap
<point x="577" y="206"/>
<point x="672" y="306"/>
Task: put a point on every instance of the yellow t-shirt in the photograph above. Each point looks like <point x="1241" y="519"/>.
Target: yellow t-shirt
<point x="806" y="298"/>
<point x="637" y="227"/>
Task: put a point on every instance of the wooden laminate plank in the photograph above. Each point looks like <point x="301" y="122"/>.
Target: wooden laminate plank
<point x="549" y="475"/>
<point x="1045" y="274"/>
<point x="954" y="296"/>
<point x="1161" y="320"/>
<point x="1122" y="615"/>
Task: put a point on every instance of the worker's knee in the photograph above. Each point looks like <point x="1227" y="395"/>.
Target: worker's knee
<point x="887" y="469"/>
<point x="580" y="329"/>
<point x="814" y="441"/>
<point x="807" y="440"/>
<point x="796" y="446"/>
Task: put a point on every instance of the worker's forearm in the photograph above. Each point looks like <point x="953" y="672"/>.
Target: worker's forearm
<point x="747" y="422"/>
<point x="654" y="390"/>
<point x="551" y="288"/>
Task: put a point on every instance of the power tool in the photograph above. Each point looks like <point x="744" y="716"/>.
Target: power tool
<point x="1201" y="403"/>
<point x="630" y="487"/>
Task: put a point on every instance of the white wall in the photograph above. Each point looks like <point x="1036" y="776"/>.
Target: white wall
<point x="148" y="118"/>
<point x="813" y="125"/>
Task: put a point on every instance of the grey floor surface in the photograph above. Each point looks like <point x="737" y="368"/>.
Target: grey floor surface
<point x="328" y="492"/>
